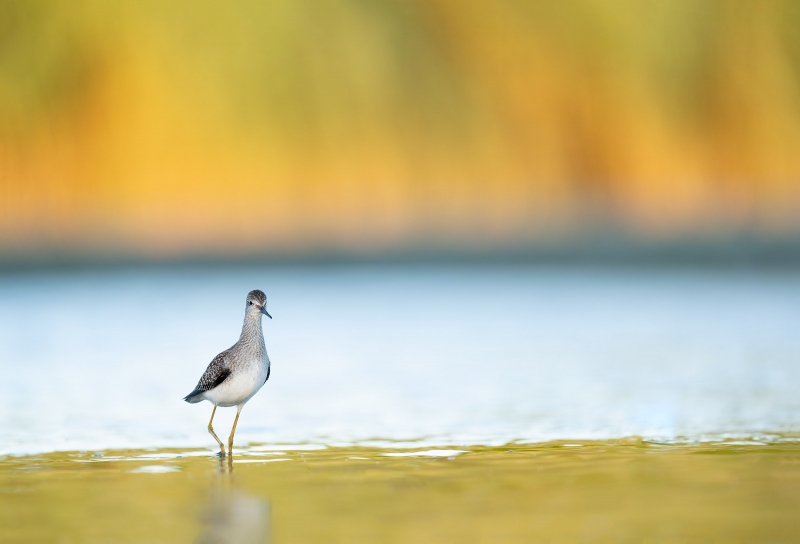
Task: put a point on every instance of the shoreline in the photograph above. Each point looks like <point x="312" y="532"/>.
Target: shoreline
<point x="409" y="446"/>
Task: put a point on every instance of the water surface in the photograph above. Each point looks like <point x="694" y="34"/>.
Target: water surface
<point x="447" y="355"/>
<point x="625" y="491"/>
<point x="406" y="404"/>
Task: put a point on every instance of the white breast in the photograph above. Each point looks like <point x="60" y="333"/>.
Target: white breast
<point x="243" y="383"/>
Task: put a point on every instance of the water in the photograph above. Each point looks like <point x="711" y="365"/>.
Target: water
<point x="406" y="404"/>
<point x="371" y="355"/>
<point x="620" y="492"/>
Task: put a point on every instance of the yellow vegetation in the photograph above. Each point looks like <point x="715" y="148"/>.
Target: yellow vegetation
<point x="173" y="128"/>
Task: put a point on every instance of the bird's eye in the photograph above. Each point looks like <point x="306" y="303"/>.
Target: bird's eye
<point x="251" y="302"/>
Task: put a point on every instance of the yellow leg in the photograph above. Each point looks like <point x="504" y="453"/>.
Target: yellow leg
<point x="235" y="421"/>
<point x="211" y="430"/>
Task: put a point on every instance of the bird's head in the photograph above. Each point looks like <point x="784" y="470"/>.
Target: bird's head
<point x="257" y="303"/>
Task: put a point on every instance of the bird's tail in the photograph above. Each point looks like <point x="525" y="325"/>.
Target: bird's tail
<point x="194" y="397"/>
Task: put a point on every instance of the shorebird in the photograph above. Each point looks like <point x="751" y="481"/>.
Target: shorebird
<point x="236" y="374"/>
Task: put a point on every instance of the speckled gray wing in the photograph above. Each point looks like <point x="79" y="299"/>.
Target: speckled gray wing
<point x="216" y="373"/>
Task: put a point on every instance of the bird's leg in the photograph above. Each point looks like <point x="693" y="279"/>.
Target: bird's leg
<point x="211" y="430"/>
<point x="235" y="421"/>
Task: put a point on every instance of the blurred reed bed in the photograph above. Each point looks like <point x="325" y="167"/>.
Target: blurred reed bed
<point x="194" y="127"/>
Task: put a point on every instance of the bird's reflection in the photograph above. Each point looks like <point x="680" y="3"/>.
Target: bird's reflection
<point x="233" y="516"/>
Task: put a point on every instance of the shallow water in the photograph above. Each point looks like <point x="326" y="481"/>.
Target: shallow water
<point x="446" y="355"/>
<point x="625" y="491"/>
<point x="408" y="404"/>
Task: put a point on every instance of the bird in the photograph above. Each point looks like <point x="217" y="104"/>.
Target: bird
<point x="236" y="374"/>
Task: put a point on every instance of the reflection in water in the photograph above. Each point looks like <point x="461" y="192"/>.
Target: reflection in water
<point x="603" y="492"/>
<point x="233" y="516"/>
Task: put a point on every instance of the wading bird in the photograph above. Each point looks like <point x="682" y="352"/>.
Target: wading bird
<point x="236" y="374"/>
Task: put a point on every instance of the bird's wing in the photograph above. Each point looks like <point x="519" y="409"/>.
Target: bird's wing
<point x="216" y="373"/>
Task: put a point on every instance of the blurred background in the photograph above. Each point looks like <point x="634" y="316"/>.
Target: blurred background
<point x="378" y="151"/>
<point x="478" y="223"/>
<point x="295" y="129"/>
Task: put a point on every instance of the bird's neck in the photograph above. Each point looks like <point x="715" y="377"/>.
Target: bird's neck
<point x="251" y="330"/>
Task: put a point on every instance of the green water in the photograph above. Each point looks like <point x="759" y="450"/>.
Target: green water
<point x="615" y="491"/>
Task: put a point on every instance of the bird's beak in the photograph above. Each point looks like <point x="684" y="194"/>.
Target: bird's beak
<point x="264" y="311"/>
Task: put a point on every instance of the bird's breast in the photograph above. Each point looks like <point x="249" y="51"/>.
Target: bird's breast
<point x="246" y="378"/>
